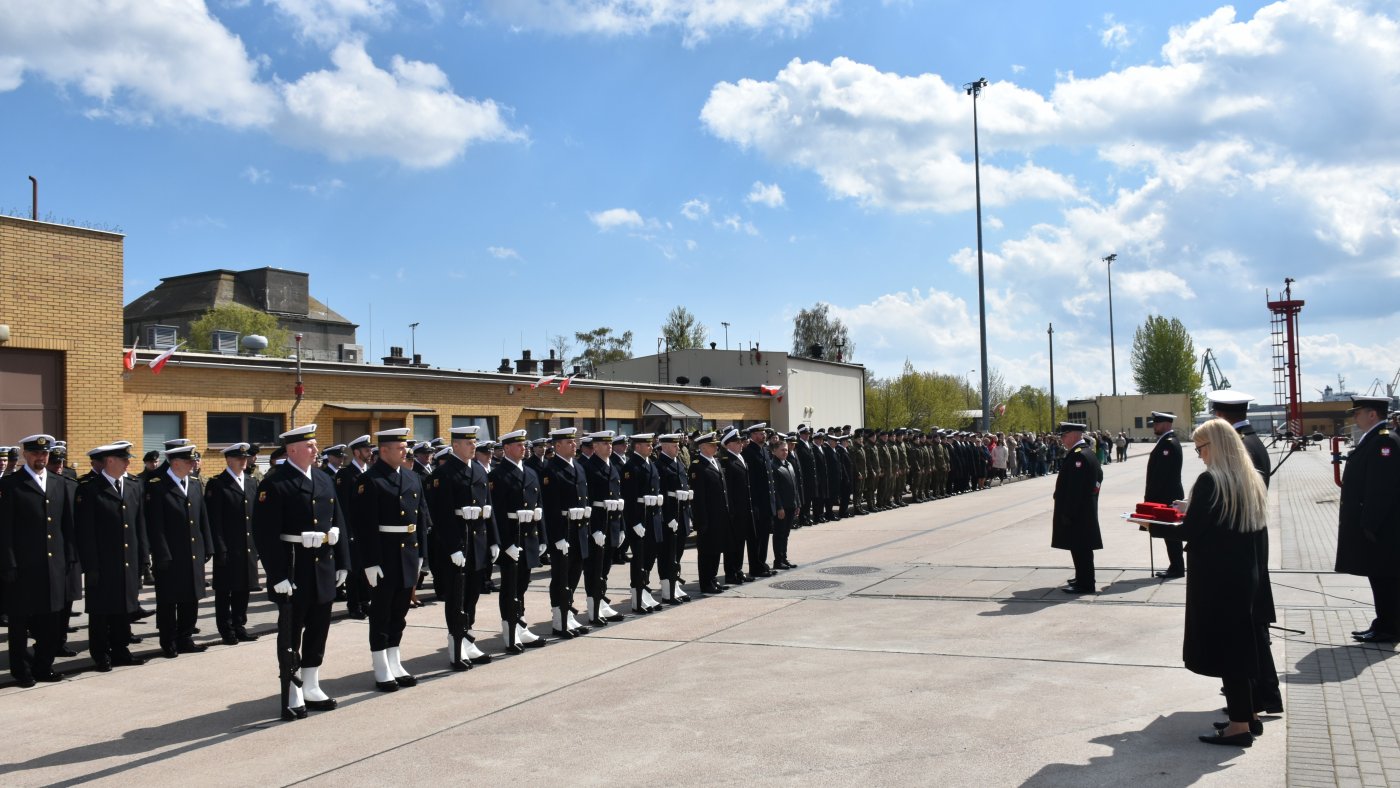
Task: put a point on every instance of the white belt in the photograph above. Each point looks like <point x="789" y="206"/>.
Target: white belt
<point x="600" y="505"/>
<point x="676" y="494"/>
<point x="292" y="538"/>
<point x="398" y="529"/>
<point x="512" y="516"/>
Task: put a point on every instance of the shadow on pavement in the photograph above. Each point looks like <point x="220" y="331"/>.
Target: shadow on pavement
<point x="1164" y="753"/>
<point x="1331" y="664"/>
<point x="1032" y="600"/>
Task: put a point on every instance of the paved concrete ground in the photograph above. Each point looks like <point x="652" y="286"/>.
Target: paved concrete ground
<point x="938" y="652"/>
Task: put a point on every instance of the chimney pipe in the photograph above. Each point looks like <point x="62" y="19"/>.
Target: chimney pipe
<point x="34" y="200"/>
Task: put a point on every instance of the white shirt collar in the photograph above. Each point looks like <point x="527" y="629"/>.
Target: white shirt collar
<point x="1239" y="424"/>
<point x="41" y="477"/>
<point x="183" y="484"/>
<point x="306" y="473"/>
<point x="238" y="477"/>
<point x="1380" y="423"/>
<point x="359" y="467"/>
<point x="110" y="480"/>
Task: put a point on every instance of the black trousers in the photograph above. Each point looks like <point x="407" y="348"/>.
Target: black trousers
<point x="758" y="546"/>
<point x="302" y="627"/>
<point x="474" y="581"/>
<point x="610" y="549"/>
<point x="643" y="556"/>
<point x="1386" y="593"/>
<point x="47" y="629"/>
<point x="388" y="608"/>
<point x="1266" y="691"/>
<point x="845" y="504"/>
<point x="807" y="496"/>
<point x="109" y="635"/>
<point x="666" y="564"/>
<point x="564" y="573"/>
<point x="781" y="530"/>
<point x="595" y="566"/>
<point x="177" y="607"/>
<point x="515" y="581"/>
<point x="450" y="583"/>
<point x="230" y="609"/>
<point x="1239" y="701"/>
<point x="709" y="547"/>
<point x="1176" y="555"/>
<point x="734" y="547"/>
<point x="1083" y="567"/>
<point x="356" y="592"/>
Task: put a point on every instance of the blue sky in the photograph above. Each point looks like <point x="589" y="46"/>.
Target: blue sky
<point x="501" y="171"/>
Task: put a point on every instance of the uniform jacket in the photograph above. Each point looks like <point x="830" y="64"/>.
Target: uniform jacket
<point x="564" y="486"/>
<point x="1076" y="519"/>
<point x="514" y="488"/>
<point x="36" y="542"/>
<point x="736" y="486"/>
<point x="640" y="478"/>
<point x="456" y="484"/>
<point x="808" y="469"/>
<point x="785" y="485"/>
<point x="765" y="506"/>
<point x="389" y="496"/>
<point x="110" y="531"/>
<point x="1368" y="521"/>
<point x="1164" y="471"/>
<point x="711" y="505"/>
<point x="230" y="521"/>
<point x="673" y="478"/>
<point x="289" y="503"/>
<point x="604" y="484"/>
<point x="176" y="521"/>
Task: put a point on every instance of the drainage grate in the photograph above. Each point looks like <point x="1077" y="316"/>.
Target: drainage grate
<point x="849" y="570"/>
<point x="804" y="585"/>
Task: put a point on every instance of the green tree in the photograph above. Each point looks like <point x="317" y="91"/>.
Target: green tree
<point x="817" y="326"/>
<point x="683" y="330"/>
<point x="244" y="320"/>
<point x="601" y="347"/>
<point x="1027" y="410"/>
<point x="1164" y="360"/>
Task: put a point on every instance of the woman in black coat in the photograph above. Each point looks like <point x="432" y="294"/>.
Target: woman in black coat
<point x="1222" y="528"/>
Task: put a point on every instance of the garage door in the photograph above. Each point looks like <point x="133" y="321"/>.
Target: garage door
<point x="31" y="393"/>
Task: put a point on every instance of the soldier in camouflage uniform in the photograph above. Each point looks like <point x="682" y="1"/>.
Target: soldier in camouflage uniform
<point x="858" y="471"/>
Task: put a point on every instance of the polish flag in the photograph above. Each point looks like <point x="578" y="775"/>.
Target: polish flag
<point x="564" y="384"/>
<point x="158" y="363"/>
<point x="130" y="356"/>
<point x="544" y="381"/>
<point x="771" y="391"/>
<point x="1000" y="410"/>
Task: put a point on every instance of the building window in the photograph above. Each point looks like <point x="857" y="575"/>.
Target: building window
<point x="391" y="424"/>
<point x="225" y="342"/>
<point x="536" y="428"/>
<point x="486" y="425"/>
<point x="425" y="427"/>
<point x="157" y="428"/>
<point x="565" y="423"/>
<point x="1137" y="422"/>
<point x="622" y="426"/>
<point x="161" y="337"/>
<point x="347" y="430"/>
<point x="229" y="428"/>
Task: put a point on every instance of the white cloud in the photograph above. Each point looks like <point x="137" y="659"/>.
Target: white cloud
<point x="614" y="218"/>
<point x="734" y="223"/>
<point x="770" y="195"/>
<point x="1114" y="34"/>
<point x="1017" y="68"/>
<point x="323" y="188"/>
<point x="252" y="174"/>
<point x="408" y="113"/>
<point x="695" y="209"/>
<point x="329" y="22"/>
<point x="697" y="19"/>
<point x="503" y="253"/>
<point x="137" y="61"/>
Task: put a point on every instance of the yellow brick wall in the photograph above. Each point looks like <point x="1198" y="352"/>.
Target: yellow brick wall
<point x="197" y="391"/>
<point x="61" y="289"/>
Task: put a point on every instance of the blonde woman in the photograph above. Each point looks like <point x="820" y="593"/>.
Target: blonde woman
<point x="1223" y="524"/>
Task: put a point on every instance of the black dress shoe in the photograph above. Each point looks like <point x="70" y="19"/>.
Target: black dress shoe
<point x="1375" y="636"/>
<point x="1077" y="589"/>
<point x="515" y="648"/>
<point x="168" y="651"/>
<point x="328" y="704"/>
<point x="188" y="646"/>
<point x="564" y="634"/>
<point x="484" y="659"/>
<point x="358" y="613"/>
<point x="244" y="635"/>
<point x="102" y="665"/>
<point x="710" y="589"/>
<point x="1359" y="632"/>
<point x="386" y="686"/>
<point x="25" y="682"/>
<point x="1237" y="740"/>
<point x="134" y="639"/>
<point x="142" y="613"/>
<point x="1169" y="575"/>
<point x="732" y="580"/>
<point x="1256" y="727"/>
<point x="406" y="681"/>
<point x="290" y="715"/>
<point x="541" y="643"/>
<point x="230" y="639"/>
<point x="47" y="676"/>
<point x="122" y="659"/>
<point x="64" y="651"/>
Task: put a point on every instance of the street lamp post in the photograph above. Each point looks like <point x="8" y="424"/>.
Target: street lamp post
<point x="974" y="89"/>
<point x="1051" y="333"/>
<point x="1112" y="350"/>
<point x="412" y="339"/>
<point x="726" y="334"/>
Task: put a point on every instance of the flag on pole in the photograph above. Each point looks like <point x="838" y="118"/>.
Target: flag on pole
<point x="158" y="363"/>
<point x="1000" y="410"/>
<point x="564" y="384"/>
<point x="544" y="381"/>
<point x="130" y="356"/>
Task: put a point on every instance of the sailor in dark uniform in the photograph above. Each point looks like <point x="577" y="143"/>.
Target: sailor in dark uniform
<point x="389" y="514"/>
<point x="619" y="551"/>
<point x="455" y="504"/>
<point x="675" y="516"/>
<point x="361" y="457"/>
<point x="641" y="490"/>
<point x="564" y="493"/>
<point x="299" y="530"/>
<point x="110" y="531"/>
<point x="229" y="497"/>
<point x="36" y="547"/>
<point x="58" y="468"/>
<point x="1164" y="484"/>
<point x="177" y="519"/>
<point x="515" y="503"/>
<point x="711" y="511"/>
<point x="1233" y="406"/>
<point x="765" y="504"/>
<point x="740" y="530"/>
<point x="1076" y="517"/>
<point x="788" y="491"/>
<point x="332" y="460"/>
<point x="485" y="545"/>
<point x="606" y="521"/>
<point x="1368" y="520"/>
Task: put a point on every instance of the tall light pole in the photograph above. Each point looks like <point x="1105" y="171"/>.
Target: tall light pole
<point x="1112" y="350"/>
<point x="974" y="89"/>
<point x="1051" y="333"/>
<point x="726" y="334"/>
<point x="412" y="339"/>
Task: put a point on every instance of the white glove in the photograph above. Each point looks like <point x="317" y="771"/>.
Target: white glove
<point x="340" y="575"/>
<point x="599" y="538"/>
<point x="618" y="504"/>
<point x="673" y="525"/>
<point x="639" y="530"/>
<point x="311" y="538"/>
<point x="582" y="513"/>
<point x="475" y="512"/>
<point x="525" y="515"/>
<point x="562" y="546"/>
<point x="486" y="510"/>
<point x="689" y="495"/>
<point x="514" y="552"/>
<point x="372" y="575"/>
<point x="656" y="500"/>
<point x="333" y="535"/>
<point x="543" y="548"/>
<point x="539" y="514"/>
<point x="458" y="559"/>
<point x="284" y="588"/>
<point x="495" y="552"/>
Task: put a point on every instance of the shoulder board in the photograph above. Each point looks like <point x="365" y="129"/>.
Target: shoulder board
<point x="155" y="479"/>
<point x="1385" y="431"/>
